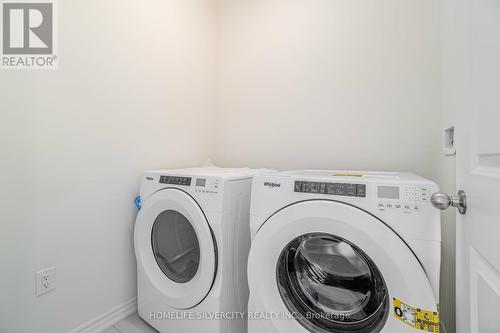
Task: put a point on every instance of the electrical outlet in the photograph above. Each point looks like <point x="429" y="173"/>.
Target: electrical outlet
<point x="45" y="281"/>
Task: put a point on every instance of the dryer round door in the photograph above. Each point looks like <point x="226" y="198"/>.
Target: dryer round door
<point x="175" y="247"/>
<point x="324" y="266"/>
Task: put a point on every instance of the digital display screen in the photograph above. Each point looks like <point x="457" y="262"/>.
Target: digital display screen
<point x="342" y="189"/>
<point x="173" y="180"/>
<point x="201" y="182"/>
<point x="388" y="192"/>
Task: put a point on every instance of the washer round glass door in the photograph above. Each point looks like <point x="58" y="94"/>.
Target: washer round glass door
<point x="324" y="266"/>
<point x="175" y="248"/>
<point x="331" y="284"/>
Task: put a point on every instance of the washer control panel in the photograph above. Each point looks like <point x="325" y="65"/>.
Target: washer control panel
<point x="407" y="199"/>
<point x="340" y="189"/>
<point x="416" y="193"/>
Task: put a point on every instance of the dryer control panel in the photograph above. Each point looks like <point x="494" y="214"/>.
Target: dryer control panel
<point x="174" y="180"/>
<point x="207" y="185"/>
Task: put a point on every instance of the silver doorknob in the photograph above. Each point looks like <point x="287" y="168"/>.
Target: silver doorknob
<point x="443" y="201"/>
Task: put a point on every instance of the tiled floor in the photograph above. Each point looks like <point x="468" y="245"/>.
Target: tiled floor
<point x="132" y="324"/>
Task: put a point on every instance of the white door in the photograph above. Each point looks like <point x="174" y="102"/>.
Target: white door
<point x="473" y="83"/>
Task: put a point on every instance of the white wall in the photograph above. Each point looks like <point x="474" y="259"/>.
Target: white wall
<point x="133" y="92"/>
<point x="301" y="84"/>
<point x="329" y="84"/>
<point x="334" y="84"/>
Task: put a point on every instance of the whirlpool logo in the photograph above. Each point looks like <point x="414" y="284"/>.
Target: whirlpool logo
<point x="272" y="185"/>
<point x="28" y="34"/>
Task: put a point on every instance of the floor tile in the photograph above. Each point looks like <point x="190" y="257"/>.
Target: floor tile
<point x="134" y="324"/>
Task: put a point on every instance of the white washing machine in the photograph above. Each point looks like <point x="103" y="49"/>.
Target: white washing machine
<point x="191" y="243"/>
<point x="343" y="252"/>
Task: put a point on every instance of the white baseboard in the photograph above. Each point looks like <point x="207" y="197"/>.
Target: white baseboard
<point x="109" y="318"/>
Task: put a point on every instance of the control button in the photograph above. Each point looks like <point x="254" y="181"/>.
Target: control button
<point x="407" y="209"/>
<point x="416" y="208"/>
<point x="389" y="205"/>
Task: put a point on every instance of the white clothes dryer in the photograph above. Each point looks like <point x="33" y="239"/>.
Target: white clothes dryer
<point x="191" y="243"/>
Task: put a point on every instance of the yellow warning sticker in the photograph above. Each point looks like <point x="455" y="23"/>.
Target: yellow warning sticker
<point x="347" y="174"/>
<point x="427" y="321"/>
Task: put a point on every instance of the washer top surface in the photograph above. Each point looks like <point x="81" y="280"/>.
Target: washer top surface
<point x="351" y="175"/>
